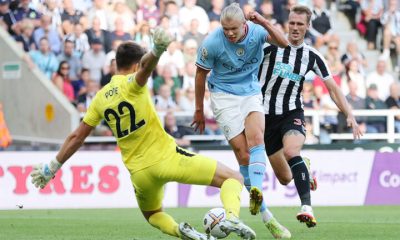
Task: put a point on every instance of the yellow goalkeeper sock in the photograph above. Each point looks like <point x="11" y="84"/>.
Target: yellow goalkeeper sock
<point x="165" y="223"/>
<point x="230" y="196"/>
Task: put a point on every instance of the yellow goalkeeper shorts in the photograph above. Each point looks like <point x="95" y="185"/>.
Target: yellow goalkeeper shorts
<point x="183" y="167"/>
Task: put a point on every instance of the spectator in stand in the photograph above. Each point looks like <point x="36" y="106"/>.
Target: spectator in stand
<point x="148" y="12"/>
<point x="112" y="70"/>
<point x="309" y="100"/>
<point x="381" y="78"/>
<point x="350" y="9"/>
<point x="122" y="11"/>
<point x="189" y="76"/>
<point x="85" y="99"/>
<point x="391" y="32"/>
<point x="62" y="81"/>
<point x="177" y="132"/>
<point x="51" y="9"/>
<point x="173" y="57"/>
<point x="80" y="85"/>
<point x="172" y="12"/>
<point x="356" y="102"/>
<point x="4" y="8"/>
<point x="310" y="137"/>
<point x="5" y="137"/>
<point x="95" y="32"/>
<point x="119" y="33"/>
<point x="375" y="124"/>
<point x="352" y="53"/>
<point x="215" y="13"/>
<point x="26" y="36"/>
<point x="186" y="100"/>
<point x="333" y="58"/>
<point x="82" y="5"/>
<point x="166" y="25"/>
<point x="94" y="60"/>
<point x="353" y="74"/>
<point x="98" y="10"/>
<point x="163" y="101"/>
<point x="67" y="29"/>
<point x="111" y="55"/>
<point x="72" y="58"/>
<point x="70" y="13"/>
<point x="321" y="24"/>
<point x="167" y="78"/>
<point x="190" y="11"/>
<point x="278" y="6"/>
<point x="14" y="17"/>
<point x="45" y="30"/>
<point x="267" y="11"/>
<point x="193" y="32"/>
<point x="80" y="39"/>
<point x="143" y="36"/>
<point x="393" y="102"/>
<point x="190" y="47"/>
<point x="372" y="11"/>
<point x="44" y="58"/>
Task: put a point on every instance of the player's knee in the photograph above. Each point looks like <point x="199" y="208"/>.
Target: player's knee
<point x="258" y="139"/>
<point x="291" y="152"/>
<point x="243" y="156"/>
<point x="284" y="180"/>
<point x="236" y="175"/>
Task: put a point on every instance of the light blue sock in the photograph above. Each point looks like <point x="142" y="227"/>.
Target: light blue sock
<point x="256" y="168"/>
<point x="244" y="170"/>
<point x="257" y="165"/>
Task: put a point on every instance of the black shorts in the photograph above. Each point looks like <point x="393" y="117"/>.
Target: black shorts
<point x="277" y="125"/>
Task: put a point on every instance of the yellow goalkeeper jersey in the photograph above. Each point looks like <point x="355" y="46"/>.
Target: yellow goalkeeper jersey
<point x="130" y="113"/>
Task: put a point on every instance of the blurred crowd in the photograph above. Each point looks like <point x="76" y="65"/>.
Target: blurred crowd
<point x="73" y="43"/>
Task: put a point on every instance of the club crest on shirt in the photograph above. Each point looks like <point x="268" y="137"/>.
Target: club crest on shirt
<point x="240" y="52"/>
<point x="227" y="129"/>
<point x="204" y="54"/>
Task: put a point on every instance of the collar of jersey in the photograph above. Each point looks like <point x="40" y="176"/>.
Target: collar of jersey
<point x="298" y="46"/>
<point x="246" y="30"/>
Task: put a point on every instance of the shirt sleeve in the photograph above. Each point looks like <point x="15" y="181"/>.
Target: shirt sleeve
<point x="92" y="116"/>
<point x="206" y="53"/>
<point x="321" y="67"/>
<point x="133" y="86"/>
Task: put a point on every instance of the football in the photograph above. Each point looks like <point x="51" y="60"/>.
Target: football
<point x="212" y="220"/>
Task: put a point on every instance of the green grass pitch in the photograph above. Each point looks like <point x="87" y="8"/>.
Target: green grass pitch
<point x="338" y="223"/>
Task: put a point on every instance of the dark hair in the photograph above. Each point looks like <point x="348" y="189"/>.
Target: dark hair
<point x="128" y="53"/>
<point x="59" y="68"/>
<point x="301" y="9"/>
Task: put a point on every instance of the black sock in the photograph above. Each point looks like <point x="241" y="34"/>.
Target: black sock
<point x="301" y="179"/>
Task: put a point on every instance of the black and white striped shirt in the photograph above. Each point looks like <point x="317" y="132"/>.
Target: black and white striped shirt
<point x="282" y="73"/>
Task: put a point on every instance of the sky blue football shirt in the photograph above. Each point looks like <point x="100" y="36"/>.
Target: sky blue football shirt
<point x="234" y="66"/>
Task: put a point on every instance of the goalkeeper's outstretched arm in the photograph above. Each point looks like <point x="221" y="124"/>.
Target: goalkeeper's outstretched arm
<point x="43" y="173"/>
<point x="149" y="61"/>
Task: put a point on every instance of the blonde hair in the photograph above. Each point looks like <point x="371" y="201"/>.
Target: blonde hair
<point x="301" y="9"/>
<point x="233" y="12"/>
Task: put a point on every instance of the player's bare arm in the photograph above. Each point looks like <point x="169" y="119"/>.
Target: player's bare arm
<point x="200" y="86"/>
<point x="73" y="142"/>
<point x="275" y="36"/>
<point x="149" y="61"/>
<point x="43" y="173"/>
<point x="340" y="101"/>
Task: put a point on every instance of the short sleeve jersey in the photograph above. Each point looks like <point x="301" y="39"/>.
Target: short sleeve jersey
<point x="234" y="66"/>
<point x="130" y="113"/>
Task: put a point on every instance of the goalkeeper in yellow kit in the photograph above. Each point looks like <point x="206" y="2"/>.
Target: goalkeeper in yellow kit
<point x="149" y="153"/>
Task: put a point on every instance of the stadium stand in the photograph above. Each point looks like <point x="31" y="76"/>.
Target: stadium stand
<point x="93" y="29"/>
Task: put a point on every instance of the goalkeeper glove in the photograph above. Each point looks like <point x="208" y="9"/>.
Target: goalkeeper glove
<point x="43" y="173"/>
<point x="161" y="40"/>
